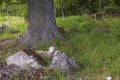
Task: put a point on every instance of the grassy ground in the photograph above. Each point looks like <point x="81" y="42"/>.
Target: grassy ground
<point x="95" y="44"/>
<point x="16" y="27"/>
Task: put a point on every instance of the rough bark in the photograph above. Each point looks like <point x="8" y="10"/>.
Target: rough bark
<point x="42" y="25"/>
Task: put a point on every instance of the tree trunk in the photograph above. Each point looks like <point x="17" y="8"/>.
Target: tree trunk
<point x="42" y="25"/>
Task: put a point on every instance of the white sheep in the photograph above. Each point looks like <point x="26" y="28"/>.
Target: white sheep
<point x="48" y="53"/>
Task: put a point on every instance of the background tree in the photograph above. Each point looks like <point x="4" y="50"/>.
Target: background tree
<point x="70" y="7"/>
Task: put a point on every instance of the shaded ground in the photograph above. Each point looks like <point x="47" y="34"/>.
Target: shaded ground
<point x="7" y="47"/>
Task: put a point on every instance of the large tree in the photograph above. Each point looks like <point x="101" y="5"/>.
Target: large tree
<point x="42" y="24"/>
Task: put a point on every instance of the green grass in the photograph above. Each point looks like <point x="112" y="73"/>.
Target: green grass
<point x="15" y="24"/>
<point x="95" y="45"/>
<point x="98" y="52"/>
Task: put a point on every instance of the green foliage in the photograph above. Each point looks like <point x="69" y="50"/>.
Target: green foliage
<point x="96" y="49"/>
<point x="17" y="24"/>
<point x="14" y="7"/>
<point x="58" y="76"/>
<point x="70" y="22"/>
<point x="113" y="10"/>
<point x="22" y="10"/>
<point x="70" y="7"/>
<point x="80" y="7"/>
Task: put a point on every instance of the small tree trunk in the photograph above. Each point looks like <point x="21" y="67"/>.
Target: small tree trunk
<point x="62" y="11"/>
<point x="8" y="16"/>
<point x="42" y="25"/>
<point x="100" y="6"/>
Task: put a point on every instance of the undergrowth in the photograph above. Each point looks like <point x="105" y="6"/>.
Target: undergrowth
<point x="95" y="44"/>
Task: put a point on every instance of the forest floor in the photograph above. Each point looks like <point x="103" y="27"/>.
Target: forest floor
<point x="7" y="47"/>
<point x="94" y="43"/>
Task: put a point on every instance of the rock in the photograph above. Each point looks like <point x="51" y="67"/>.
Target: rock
<point x="23" y="60"/>
<point x="9" y="72"/>
<point x="61" y="61"/>
<point x="3" y="27"/>
<point x="14" y="31"/>
<point x="37" y="74"/>
<point x="27" y="59"/>
<point x="33" y="63"/>
<point x="40" y="74"/>
<point x="1" y="65"/>
<point x="73" y="78"/>
<point x="109" y="78"/>
<point x="1" y="30"/>
<point x="73" y="65"/>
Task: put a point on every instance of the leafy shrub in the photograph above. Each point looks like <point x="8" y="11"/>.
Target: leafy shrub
<point x="113" y="10"/>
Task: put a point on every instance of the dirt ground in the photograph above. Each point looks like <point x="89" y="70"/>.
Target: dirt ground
<point x="7" y="47"/>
